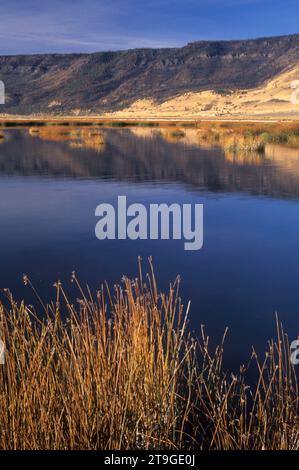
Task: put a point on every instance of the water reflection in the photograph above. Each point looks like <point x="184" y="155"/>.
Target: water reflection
<point x="203" y="161"/>
<point x="248" y="267"/>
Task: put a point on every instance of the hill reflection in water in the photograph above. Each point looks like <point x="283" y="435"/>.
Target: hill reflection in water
<point x="146" y="154"/>
<point x="53" y="178"/>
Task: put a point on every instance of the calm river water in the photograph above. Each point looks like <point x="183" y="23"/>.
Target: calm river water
<point x="51" y="182"/>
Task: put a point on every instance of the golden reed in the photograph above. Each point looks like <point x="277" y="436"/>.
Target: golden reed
<point x="119" y="370"/>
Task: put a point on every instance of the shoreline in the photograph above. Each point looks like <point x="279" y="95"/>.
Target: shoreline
<point x="137" y="120"/>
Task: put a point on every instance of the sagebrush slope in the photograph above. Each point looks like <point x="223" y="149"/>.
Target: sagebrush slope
<point x="112" y="80"/>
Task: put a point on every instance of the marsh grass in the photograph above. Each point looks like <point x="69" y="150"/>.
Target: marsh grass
<point x="119" y="370"/>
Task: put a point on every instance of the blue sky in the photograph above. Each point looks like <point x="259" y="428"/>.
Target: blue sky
<point x="32" y="26"/>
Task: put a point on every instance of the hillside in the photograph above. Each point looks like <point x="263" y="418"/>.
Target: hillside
<point x="272" y="99"/>
<point x="112" y="81"/>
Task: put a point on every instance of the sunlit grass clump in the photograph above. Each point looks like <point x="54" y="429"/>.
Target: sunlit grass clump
<point x="118" y="370"/>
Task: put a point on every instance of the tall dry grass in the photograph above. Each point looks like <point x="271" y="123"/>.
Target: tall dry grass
<point x="122" y="372"/>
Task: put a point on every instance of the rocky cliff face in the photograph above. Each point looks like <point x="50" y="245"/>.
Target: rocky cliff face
<point x="108" y="81"/>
